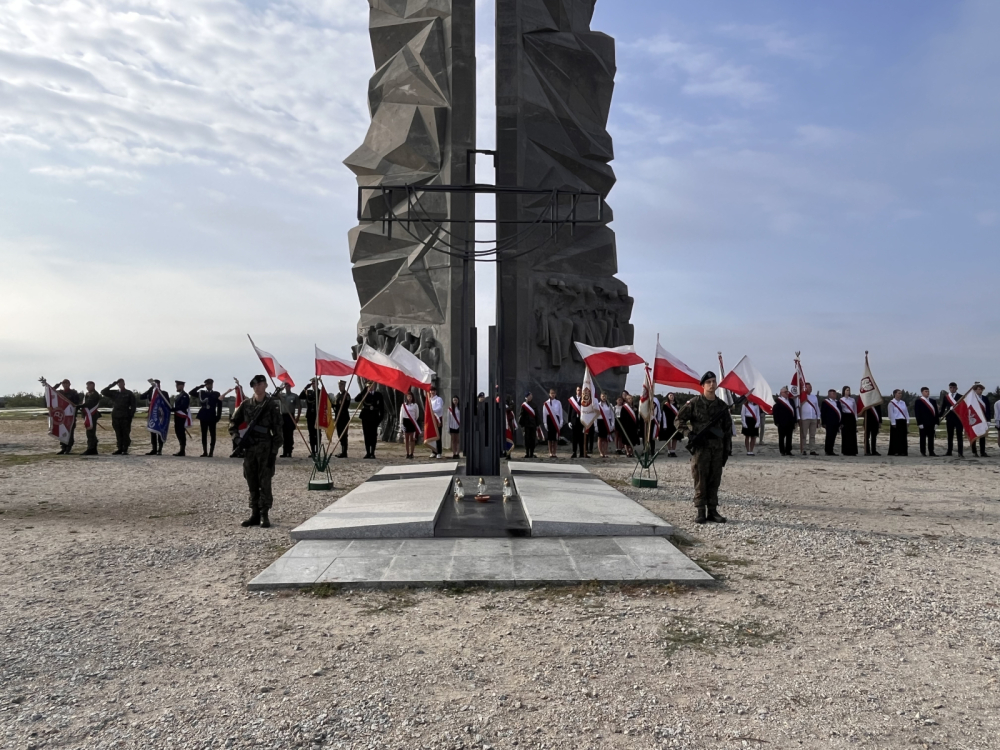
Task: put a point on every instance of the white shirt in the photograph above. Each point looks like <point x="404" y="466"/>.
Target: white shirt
<point x="608" y="412"/>
<point x="554" y="408"/>
<point x="849" y="405"/>
<point x="750" y="410"/>
<point x="809" y="409"/>
<point x="898" y="410"/>
<point x="437" y="406"/>
<point x="454" y="418"/>
<point x="411" y="412"/>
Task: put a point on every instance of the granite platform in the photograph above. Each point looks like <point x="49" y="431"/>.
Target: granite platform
<point x="566" y="500"/>
<point x="386" y="563"/>
<point x="396" y="507"/>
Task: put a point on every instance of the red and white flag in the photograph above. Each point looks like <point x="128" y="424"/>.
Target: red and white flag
<point x="970" y="411"/>
<point x="668" y="370"/>
<point x="746" y="380"/>
<point x="798" y="385"/>
<point x="272" y="366"/>
<point x="646" y="399"/>
<point x="62" y="413"/>
<point x="588" y="406"/>
<point x="432" y="432"/>
<point x="240" y="398"/>
<point x="601" y="358"/>
<point x="417" y="369"/>
<point x="328" y="364"/>
<point x="382" y="369"/>
<point x="324" y="412"/>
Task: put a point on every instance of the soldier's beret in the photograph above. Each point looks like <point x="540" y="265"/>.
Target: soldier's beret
<point x="707" y="376"/>
<point x="257" y="379"/>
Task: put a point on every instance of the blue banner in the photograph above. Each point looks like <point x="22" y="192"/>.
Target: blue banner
<point x="159" y="414"/>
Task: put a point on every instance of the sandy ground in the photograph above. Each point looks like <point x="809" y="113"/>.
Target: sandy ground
<point x="857" y="607"/>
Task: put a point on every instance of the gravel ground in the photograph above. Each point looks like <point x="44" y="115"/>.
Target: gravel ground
<point x="857" y="607"/>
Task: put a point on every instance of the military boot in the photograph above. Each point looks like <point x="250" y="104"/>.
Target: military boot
<point x="252" y="521"/>
<point x="265" y="522"/>
<point x="702" y="518"/>
<point x="714" y="517"/>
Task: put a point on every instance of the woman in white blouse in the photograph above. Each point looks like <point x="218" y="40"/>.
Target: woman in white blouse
<point x="409" y="423"/>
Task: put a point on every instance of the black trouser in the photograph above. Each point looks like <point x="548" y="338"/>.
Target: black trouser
<point x="872" y="427"/>
<point x="955" y="426"/>
<point x="123" y="432"/>
<point x="897" y="438"/>
<point x="311" y="428"/>
<point x="287" y="434"/>
<point x="578" y="439"/>
<point x="92" y="439"/>
<point x="972" y="443"/>
<point x="529" y="443"/>
<point x="831" y="439"/>
<point x="156" y="441"/>
<point x="342" y="430"/>
<point x="785" y="433"/>
<point x="207" y="429"/>
<point x="370" y="429"/>
<point x="72" y="439"/>
<point x="591" y="438"/>
<point x="180" y="430"/>
<point x="926" y="439"/>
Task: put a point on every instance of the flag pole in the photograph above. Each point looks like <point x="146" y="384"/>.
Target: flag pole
<point x="277" y="389"/>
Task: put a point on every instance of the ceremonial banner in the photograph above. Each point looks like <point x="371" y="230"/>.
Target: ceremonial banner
<point x="62" y="413"/>
<point x="508" y="437"/>
<point x="668" y="370"/>
<point x="798" y="384"/>
<point x="158" y="420"/>
<point x="646" y="399"/>
<point x="588" y="407"/>
<point x="746" y="380"/>
<point x="272" y="366"/>
<point x="378" y="367"/>
<point x="869" y="393"/>
<point x="422" y="375"/>
<point x="432" y="433"/>
<point x="970" y="411"/>
<point x="240" y="398"/>
<point x="599" y="358"/>
<point x="328" y="364"/>
<point x="324" y="413"/>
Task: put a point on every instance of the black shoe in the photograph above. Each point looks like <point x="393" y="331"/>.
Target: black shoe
<point x="714" y="517"/>
<point x="252" y="521"/>
<point x="341" y="455"/>
<point x="947" y="453"/>
<point x="211" y="452"/>
<point x="831" y="453"/>
<point x="203" y="455"/>
<point x="702" y="518"/>
<point x="265" y="522"/>
<point x="934" y="454"/>
<point x="984" y="455"/>
<point x="116" y="453"/>
<point x="89" y="453"/>
<point x="813" y="453"/>
<point x="573" y="456"/>
<point x="179" y="453"/>
<point x="151" y="453"/>
<point x="876" y="453"/>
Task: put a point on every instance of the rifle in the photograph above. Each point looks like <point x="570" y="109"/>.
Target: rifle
<point x="694" y="441"/>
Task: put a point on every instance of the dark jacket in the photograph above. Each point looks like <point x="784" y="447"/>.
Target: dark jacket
<point x="783" y="415"/>
<point x="373" y="408"/>
<point x="211" y="404"/>
<point x="829" y="415"/>
<point x="342" y="408"/>
<point x="926" y="417"/>
<point x="124" y="402"/>
<point x="527" y="420"/>
<point x="182" y="402"/>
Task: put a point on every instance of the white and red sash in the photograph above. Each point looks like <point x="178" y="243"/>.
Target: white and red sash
<point x="784" y="400"/>
<point x="406" y="408"/>
<point x="604" y="415"/>
<point x="555" y="422"/>
<point x="849" y="406"/>
<point x="451" y="410"/>
<point x="929" y="405"/>
<point x="672" y="408"/>
<point x="527" y="406"/>
<point x="834" y="405"/>
<point x="951" y="399"/>
<point x="626" y="407"/>
<point x="575" y="404"/>
<point x="899" y="411"/>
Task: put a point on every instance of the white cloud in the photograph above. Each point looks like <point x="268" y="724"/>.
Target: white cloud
<point x="775" y="41"/>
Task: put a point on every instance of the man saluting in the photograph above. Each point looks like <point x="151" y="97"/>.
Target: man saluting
<point x="710" y="452"/>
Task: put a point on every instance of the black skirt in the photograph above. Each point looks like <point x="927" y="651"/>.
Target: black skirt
<point x="750" y="428"/>
<point x="408" y="427"/>
<point x="452" y="432"/>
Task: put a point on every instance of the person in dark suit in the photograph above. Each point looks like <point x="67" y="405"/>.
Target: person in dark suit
<point x="951" y="420"/>
<point x="925" y="411"/>
<point x="308" y="396"/>
<point x="182" y="402"/>
<point x="979" y="392"/>
<point x="154" y="437"/>
<point x="342" y="410"/>
<point x="208" y="415"/>
<point x="829" y="414"/>
<point x="528" y="420"/>
<point x="784" y="419"/>
<point x="372" y="413"/>
<point x="873" y="423"/>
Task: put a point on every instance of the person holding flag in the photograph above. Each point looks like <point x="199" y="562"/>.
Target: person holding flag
<point x="706" y="419"/>
<point x="952" y="423"/>
<point x="261" y="441"/>
<point x="576" y="423"/>
<point x="605" y="424"/>
<point x="91" y="413"/>
<point x="409" y="423"/>
<point x="121" y="415"/>
<point x="984" y="405"/>
<point x="871" y="409"/>
<point x="341" y="407"/>
<point x="73" y="396"/>
<point x="750" y="426"/>
<point x="155" y="437"/>
<point x="62" y="413"/>
<point x="308" y="395"/>
<point x="553" y="420"/>
<point x="158" y="415"/>
<point x="669" y="412"/>
<point x="436" y="406"/>
<point x="528" y="419"/>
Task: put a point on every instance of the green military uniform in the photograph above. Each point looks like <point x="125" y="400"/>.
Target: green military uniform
<point x="712" y="451"/>
<point x="121" y="416"/>
<point x="263" y="440"/>
<point x="90" y="401"/>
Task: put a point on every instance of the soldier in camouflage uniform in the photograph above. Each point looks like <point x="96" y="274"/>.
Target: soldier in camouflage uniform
<point x="711" y="452"/>
<point x="262" y="442"/>
<point x="121" y="415"/>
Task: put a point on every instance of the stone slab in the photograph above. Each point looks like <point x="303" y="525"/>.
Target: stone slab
<point x="387" y="563"/>
<point x="526" y="467"/>
<point x="575" y="505"/>
<point x="400" y="509"/>
<point x="415" y="471"/>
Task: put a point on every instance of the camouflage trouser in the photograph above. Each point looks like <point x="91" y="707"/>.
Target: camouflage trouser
<point x="706" y="468"/>
<point x="258" y="470"/>
<point x="123" y="432"/>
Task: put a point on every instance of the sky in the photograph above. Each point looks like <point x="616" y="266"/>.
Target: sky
<point x="814" y="177"/>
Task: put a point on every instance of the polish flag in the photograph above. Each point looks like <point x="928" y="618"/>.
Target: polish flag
<point x="970" y="411"/>
<point x="745" y="380"/>
<point x="324" y="409"/>
<point x="431" y="431"/>
<point x="798" y="385"/>
<point x="62" y="412"/>
<point x="601" y="358"/>
<point x="328" y="364"/>
<point x="382" y="369"/>
<point x="668" y="370"/>
<point x="272" y="366"/>
<point x="423" y="376"/>
<point x="240" y="398"/>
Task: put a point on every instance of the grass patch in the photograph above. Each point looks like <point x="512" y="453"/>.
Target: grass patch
<point x="175" y="515"/>
<point x="391" y="604"/>
<point x="679" y="633"/>
<point x="683" y="633"/>
<point x="322" y="590"/>
<point x="25" y="460"/>
<point x="717" y="558"/>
